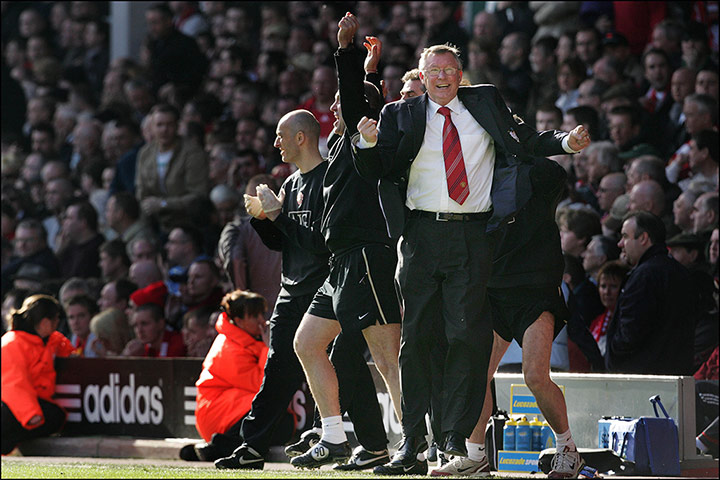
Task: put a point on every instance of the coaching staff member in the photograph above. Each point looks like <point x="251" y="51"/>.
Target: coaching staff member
<point x="454" y="153"/>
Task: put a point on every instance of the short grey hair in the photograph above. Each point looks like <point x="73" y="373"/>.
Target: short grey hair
<point x="223" y="193"/>
<point x="607" y="154"/>
<point x="439" y="50"/>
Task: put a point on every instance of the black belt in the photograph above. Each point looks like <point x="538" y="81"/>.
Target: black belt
<point x="450" y="217"/>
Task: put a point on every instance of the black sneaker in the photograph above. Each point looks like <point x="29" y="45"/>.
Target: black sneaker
<point x="187" y="453"/>
<point x="417" y="467"/>
<point x="363" y="459"/>
<point x="244" y="457"/>
<point x="322" y="454"/>
<point x="307" y="440"/>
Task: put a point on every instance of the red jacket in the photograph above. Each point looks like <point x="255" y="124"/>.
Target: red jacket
<point x="231" y="376"/>
<point x="28" y="372"/>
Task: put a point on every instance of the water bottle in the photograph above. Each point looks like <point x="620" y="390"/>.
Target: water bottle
<point x="523" y="435"/>
<point x="536" y="429"/>
<point x="548" y="436"/>
<point x="509" y="434"/>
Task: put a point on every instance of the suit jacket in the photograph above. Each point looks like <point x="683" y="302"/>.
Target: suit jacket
<point x="186" y="181"/>
<point x="401" y="133"/>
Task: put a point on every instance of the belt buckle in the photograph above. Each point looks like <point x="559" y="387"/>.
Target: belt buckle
<point x="439" y="218"/>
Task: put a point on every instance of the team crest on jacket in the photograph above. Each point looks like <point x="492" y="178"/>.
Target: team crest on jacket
<point x="514" y="135"/>
<point x="300" y="198"/>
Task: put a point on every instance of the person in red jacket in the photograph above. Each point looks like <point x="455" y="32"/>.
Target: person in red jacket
<point x="232" y="371"/>
<point x="28" y="373"/>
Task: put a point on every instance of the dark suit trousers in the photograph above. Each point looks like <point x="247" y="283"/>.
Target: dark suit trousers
<point x="14" y="433"/>
<point x="443" y="273"/>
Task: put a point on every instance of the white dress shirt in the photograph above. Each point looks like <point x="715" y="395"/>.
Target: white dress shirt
<point x="427" y="183"/>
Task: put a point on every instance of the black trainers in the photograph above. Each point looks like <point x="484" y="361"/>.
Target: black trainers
<point x="321" y="454"/>
<point x="418" y="467"/>
<point x="363" y="459"/>
<point x="307" y="440"/>
<point x="244" y="457"/>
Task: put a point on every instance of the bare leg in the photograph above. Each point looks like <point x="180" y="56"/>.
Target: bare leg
<point x="537" y="346"/>
<point x="384" y="344"/>
<point x="311" y="341"/>
<point x="500" y="346"/>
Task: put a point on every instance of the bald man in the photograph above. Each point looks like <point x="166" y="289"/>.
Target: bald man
<point x="612" y="186"/>
<point x="144" y="272"/>
<point x="647" y="196"/>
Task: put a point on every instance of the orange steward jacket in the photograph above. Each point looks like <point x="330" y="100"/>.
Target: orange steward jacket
<point x="231" y="376"/>
<point x="28" y="371"/>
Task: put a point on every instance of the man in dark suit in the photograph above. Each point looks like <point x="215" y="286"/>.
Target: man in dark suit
<point x="459" y="184"/>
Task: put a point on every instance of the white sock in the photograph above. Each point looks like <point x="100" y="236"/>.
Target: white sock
<point x="332" y="430"/>
<point x="700" y="445"/>
<point x="421" y="457"/>
<point x="564" y="440"/>
<point x="476" y="451"/>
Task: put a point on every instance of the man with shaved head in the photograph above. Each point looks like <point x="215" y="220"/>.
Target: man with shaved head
<point x="647" y="196"/>
<point x="144" y="272"/>
<point x="612" y="186"/>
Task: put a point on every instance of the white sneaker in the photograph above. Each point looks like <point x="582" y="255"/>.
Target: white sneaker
<point x="566" y="464"/>
<point x="463" y="467"/>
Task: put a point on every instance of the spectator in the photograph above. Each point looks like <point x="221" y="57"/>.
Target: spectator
<point x="703" y="160"/>
<point x="682" y="84"/>
<point x="599" y="251"/>
<point x="148" y="323"/>
<point x="611" y="187"/>
<point x="226" y="202"/>
<point x="244" y="167"/>
<point x="602" y="159"/>
<point x="78" y="241"/>
<point x="682" y="210"/>
<point x="116" y="294"/>
<point x="653" y="326"/>
<point x="248" y="262"/>
<point x="324" y="86"/>
<point x="30" y="248"/>
<point x="486" y="28"/>
<point x="516" y="70"/>
<point x="140" y="97"/>
<point x="188" y="20"/>
<point x="184" y="245"/>
<point x="198" y="331"/>
<point x="624" y="126"/>
<point x="112" y="332"/>
<point x="587" y="47"/>
<point x="611" y="278"/>
<point x="143" y="248"/>
<point x="144" y="273"/>
<point x="233" y="369"/>
<point x="706" y="83"/>
<point x="705" y="213"/>
<point x="483" y="64"/>
<point x="86" y="142"/>
<point x="548" y="117"/>
<point x="220" y="157"/>
<point x="114" y="261"/>
<point x="700" y="113"/>
<point x="122" y="213"/>
<point x="42" y="141"/>
<point x="28" y="373"/>
<point x="174" y="57"/>
<point x="577" y="227"/>
<point x="58" y="194"/>
<point x="171" y="173"/>
<point x="80" y="309"/>
<point x="203" y="285"/>
<point x="570" y="75"/>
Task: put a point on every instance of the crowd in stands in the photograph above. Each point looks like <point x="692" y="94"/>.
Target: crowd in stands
<point x="122" y="177"/>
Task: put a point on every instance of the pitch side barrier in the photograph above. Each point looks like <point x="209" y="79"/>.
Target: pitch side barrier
<point x="155" y="398"/>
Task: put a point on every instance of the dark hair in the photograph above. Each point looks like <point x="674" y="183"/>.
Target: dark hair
<point x="374" y="98"/>
<point x="708" y="139"/>
<point x="632" y="112"/>
<point x="574" y="268"/>
<point x="583" y="223"/>
<point x="165" y="108"/>
<point x="86" y="212"/>
<point x="201" y="316"/>
<point x="86" y="301"/>
<point x="116" y="249"/>
<point x="33" y="310"/>
<point x="649" y="223"/>
<point x="193" y="235"/>
<point x="615" y="269"/>
<point x="161" y="8"/>
<point x="155" y="310"/>
<point x="124" y="288"/>
<point x="241" y="303"/>
<point x="608" y="247"/>
<point x="586" y="115"/>
<point x="576" y="66"/>
<point x="211" y="265"/>
<point x="547" y="44"/>
<point x="656" y="51"/>
<point x="127" y="202"/>
<point x="44" y="127"/>
<point x="551" y="108"/>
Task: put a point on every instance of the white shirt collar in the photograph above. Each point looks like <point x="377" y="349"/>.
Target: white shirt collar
<point x="454" y="105"/>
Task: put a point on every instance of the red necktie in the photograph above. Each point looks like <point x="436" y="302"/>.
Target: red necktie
<point x="454" y="164"/>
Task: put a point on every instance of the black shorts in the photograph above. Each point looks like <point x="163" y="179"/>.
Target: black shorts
<point x="515" y="309"/>
<point x="360" y="290"/>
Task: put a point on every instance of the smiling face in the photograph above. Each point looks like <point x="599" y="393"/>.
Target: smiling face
<point x="609" y="290"/>
<point x="441" y="86"/>
<point x="285" y="142"/>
